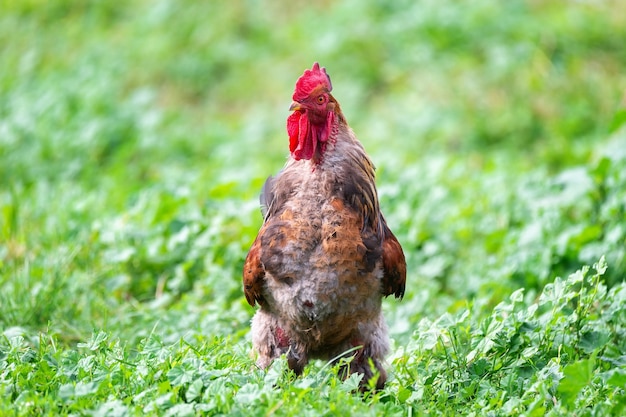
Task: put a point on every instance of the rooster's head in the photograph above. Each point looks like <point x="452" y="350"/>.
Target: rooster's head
<point x="314" y="110"/>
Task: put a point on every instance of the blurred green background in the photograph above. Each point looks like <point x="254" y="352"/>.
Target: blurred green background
<point x="135" y="136"/>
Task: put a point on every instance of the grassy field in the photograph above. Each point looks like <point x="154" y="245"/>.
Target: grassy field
<point x="135" y="137"/>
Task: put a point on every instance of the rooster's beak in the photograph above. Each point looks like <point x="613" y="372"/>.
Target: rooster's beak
<point x="295" y="106"/>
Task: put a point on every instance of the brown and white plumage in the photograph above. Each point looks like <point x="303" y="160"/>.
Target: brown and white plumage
<point x="324" y="256"/>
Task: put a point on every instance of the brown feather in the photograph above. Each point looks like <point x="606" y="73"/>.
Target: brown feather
<point x="394" y="264"/>
<point x="254" y="274"/>
<point x="267" y="195"/>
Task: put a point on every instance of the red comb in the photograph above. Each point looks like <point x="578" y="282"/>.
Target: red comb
<point x="310" y="80"/>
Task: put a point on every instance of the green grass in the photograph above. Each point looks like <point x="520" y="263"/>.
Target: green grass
<point x="134" y="139"/>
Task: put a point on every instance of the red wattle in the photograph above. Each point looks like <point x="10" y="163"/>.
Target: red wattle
<point x="302" y="140"/>
<point x="305" y="137"/>
<point x="307" y="140"/>
<point x="293" y="129"/>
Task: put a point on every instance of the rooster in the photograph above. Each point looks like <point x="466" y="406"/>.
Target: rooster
<point x="324" y="257"/>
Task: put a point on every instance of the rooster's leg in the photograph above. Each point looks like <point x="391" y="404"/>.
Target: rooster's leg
<point x="371" y="343"/>
<point x="268" y="338"/>
<point x="367" y="365"/>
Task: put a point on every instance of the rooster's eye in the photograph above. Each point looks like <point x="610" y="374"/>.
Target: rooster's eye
<point x="320" y="99"/>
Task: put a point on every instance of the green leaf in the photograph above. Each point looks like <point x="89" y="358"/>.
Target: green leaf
<point x="95" y="341"/>
<point x="351" y="384"/>
<point x="595" y="339"/>
<point x="248" y="394"/>
<point x="179" y="375"/>
<point x="617" y="378"/>
<point x="194" y="390"/>
<point x="601" y="266"/>
<point x="85" y="388"/>
<point x="66" y="391"/>
<point x="575" y="376"/>
<point x="181" y="410"/>
<point x="619" y="119"/>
